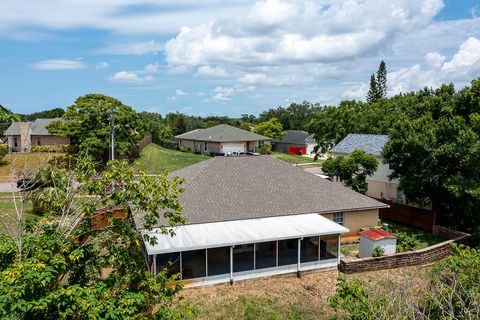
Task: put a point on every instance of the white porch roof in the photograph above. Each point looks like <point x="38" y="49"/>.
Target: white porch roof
<point x="228" y="233"/>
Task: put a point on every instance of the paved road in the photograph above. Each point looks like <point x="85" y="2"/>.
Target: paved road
<point x="8" y="187"/>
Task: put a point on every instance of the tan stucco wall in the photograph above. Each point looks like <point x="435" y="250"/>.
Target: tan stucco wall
<point x="50" y="140"/>
<point x="354" y="220"/>
<point x="188" y="144"/>
<point x="380" y="190"/>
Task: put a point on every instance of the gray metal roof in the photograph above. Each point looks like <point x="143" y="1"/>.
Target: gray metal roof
<point x="221" y="133"/>
<point x="370" y="143"/>
<point x="37" y="127"/>
<point x="237" y="188"/>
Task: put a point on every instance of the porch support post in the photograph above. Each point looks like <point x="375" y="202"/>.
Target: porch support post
<point x="298" y="256"/>
<point x="231" y="264"/>
<point x="338" y="249"/>
<point x="154" y="264"/>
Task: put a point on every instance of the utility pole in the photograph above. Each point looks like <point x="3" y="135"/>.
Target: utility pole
<point x="113" y="135"/>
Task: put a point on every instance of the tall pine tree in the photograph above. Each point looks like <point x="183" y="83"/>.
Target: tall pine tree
<point x="382" y="80"/>
<point x="372" y="92"/>
<point x="378" y="84"/>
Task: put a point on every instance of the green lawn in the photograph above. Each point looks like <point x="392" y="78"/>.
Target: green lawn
<point x="292" y="158"/>
<point x="425" y="239"/>
<point x="8" y="213"/>
<point x="29" y="163"/>
<point x="155" y="159"/>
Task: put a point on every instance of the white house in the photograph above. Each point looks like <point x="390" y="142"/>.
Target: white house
<point x="379" y="184"/>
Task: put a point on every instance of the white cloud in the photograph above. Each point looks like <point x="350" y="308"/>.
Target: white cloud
<point x="179" y="92"/>
<point x="102" y="65"/>
<point x="200" y="94"/>
<point x="133" y="48"/>
<point x="295" y="32"/>
<point x="58" y="64"/>
<point x="151" y="68"/>
<point x="129" y="77"/>
<point x="212" y="72"/>
<point x="460" y="69"/>
<point x="226" y="93"/>
<point x="178" y="70"/>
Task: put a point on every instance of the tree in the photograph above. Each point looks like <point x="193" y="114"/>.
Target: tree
<point x="88" y="124"/>
<point x="352" y="170"/>
<point x="271" y="128"/>
<point x="382" y="80"/>
<point x="372" y="94"/>
<point x="65" y="266"/>
<point x="378" y="84"/>
<point x="45" y="114"/>
<point x="7" y="116"/>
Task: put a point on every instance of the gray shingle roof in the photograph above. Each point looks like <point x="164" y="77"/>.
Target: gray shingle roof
<point x="236" y="188"/>
<point x="221" y="133"/>
<point x="295" y="137"/>
<point x="370" y="143"/>
<point x="37" y="127"/>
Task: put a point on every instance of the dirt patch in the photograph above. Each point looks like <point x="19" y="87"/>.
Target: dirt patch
<point x="287" y="297"/>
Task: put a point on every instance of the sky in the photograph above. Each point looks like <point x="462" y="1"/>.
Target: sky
<point x="219" y="57"/>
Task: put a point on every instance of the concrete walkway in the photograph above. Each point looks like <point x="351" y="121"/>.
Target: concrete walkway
<point x="8" y="187"/>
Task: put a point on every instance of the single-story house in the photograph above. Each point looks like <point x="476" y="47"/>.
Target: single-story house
<point x="379" y="184"/>
<point x="296" y="142"/>
<point x="221" y="139"/>
<point x="23" y="135"/>
<point x="255" y="216"/>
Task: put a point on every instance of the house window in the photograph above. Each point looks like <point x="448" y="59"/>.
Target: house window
<point x="338" y="217"/>
<point x="38" y="142"/>
<point x="205" y="146"/>
<point x="15" y="142"/>
<point x="260" y="143"/>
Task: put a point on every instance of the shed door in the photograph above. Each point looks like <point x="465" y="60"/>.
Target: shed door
<point x="233" y="147"/>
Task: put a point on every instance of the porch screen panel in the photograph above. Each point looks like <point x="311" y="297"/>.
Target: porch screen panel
<point x="266" y="254"/>
<point x="193" y="264"/>
<point x="243" y="257"/>
<point x="287" y="252"/>
<point x="309" y="249"/>
<point x="169" y="261"/>
<point x="328" y="247"/>
<point x="218" y="261"/>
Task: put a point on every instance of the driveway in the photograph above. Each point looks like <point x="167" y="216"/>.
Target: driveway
<point x="8" y="187"/>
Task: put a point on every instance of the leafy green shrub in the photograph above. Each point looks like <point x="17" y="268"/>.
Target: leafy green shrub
<point x="169" y="144"/>
<point x="52" y="148"/>
<point x="378" y="252"/>
<point x="406" y="242"/>
<point x="265" y="149"/>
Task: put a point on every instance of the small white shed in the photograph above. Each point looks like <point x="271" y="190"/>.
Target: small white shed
<point x="369" y="239"/>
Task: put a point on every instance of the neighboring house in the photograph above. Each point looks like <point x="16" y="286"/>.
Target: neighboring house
<point x="24" y="135"/>
<point x="221" y="139"/>
<point x="296" y="142"/>
<point x="379" y="184"/>
<point x="257" y="216"/>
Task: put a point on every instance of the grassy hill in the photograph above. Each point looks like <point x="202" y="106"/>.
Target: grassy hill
<point x="155" y="159"/>
<point x="29" y="163"/>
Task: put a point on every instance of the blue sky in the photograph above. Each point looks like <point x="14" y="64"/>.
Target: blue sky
<point x="217" y="57"/>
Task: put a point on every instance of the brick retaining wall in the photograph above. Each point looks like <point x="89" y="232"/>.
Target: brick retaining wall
<point x="412" y="258"/>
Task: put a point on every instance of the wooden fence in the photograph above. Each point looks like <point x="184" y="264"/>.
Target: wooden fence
<point x="135" y="150"/>
<point x="423" y="219"/>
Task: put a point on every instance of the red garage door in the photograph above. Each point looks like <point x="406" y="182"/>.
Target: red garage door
<point x="297" y="150"/>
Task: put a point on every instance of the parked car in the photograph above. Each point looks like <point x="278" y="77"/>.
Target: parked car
<point x="27" y="184"/>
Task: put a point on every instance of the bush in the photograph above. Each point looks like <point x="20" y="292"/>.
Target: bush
<point x="52" y="148"/>
<point x="265" y="149"/>
<point x="169" y="144"/>
<point x="378" y="252"/>
<point x="406" y="242"/>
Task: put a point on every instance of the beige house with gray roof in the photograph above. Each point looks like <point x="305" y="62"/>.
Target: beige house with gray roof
<point x="221" y="139"/>
<point x="24" y="135"/>
<point x="254" y="216"/>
